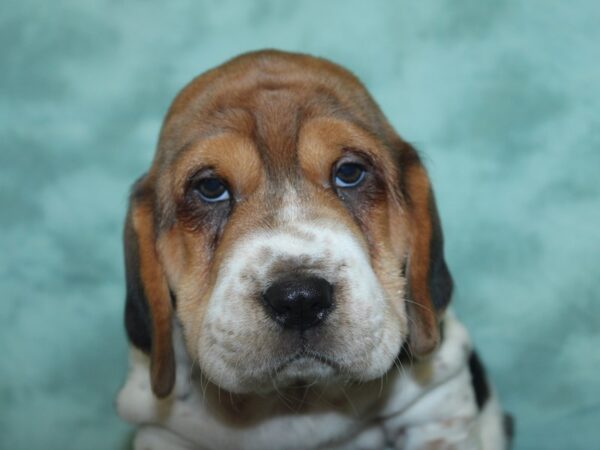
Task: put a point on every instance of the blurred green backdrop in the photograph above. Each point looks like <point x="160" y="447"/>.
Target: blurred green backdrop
<point x="502" y="97"/>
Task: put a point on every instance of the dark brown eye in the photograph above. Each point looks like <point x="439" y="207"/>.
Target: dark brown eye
<point x="349" y="175"/>
<point x="212" y="190"/>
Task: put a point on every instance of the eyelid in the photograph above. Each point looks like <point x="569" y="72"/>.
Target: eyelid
<point x="351" y="156"/>
<point x="354" y="156"/>
<point x="197" y="175"/>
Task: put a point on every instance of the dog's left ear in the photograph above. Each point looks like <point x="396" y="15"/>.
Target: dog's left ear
<point x="148" y="308"/>
<point x="429" y="280"/>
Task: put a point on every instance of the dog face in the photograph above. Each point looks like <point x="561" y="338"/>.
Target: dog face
<point x="290" y="229"/>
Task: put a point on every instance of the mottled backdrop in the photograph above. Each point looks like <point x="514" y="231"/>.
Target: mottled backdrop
<point x="502" y="97"/>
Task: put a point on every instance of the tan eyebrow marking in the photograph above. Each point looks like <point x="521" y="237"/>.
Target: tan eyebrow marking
<point x="232" y="157"/>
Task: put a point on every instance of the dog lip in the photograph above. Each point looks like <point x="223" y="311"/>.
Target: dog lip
<point x="308" y="354"/>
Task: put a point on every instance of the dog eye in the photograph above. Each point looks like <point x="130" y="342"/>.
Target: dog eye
<point x="349" y="175"/>
<point x="212" y="190"/>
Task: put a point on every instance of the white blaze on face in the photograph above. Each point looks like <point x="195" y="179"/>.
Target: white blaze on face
<point x="242" y="349"/>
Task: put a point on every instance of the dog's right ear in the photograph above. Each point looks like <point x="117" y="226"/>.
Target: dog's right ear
<point x="148" y="309"/>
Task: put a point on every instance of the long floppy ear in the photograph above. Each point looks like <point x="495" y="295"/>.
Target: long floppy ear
<point x="429" y="280"/>
<point x="148" y="307"/>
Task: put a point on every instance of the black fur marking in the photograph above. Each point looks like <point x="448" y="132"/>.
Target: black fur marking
<point x="137" y="312"/>
<point x="440" y="280"/>
<point x="137" y="323"/>
<point x="173" y="299"/>
<point x="479" y="381"/>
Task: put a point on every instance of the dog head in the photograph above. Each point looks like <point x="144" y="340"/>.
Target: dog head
<point x="288" y="227"/>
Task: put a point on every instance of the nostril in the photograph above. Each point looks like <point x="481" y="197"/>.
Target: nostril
<point x="299" y="301"/>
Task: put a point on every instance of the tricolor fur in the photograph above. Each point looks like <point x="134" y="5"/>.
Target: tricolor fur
<point x="211" y="368"/>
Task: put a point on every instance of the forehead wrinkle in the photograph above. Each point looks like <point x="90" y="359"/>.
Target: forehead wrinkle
<point x="254" y="71"/>
<point x="267" y="109"/>
<point x="280" y="124"/>
<point x="221" y="120"/>
<point x="278" y="114"/>
<point x="271" y="112"/>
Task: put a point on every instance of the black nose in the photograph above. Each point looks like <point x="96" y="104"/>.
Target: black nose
<point x="299" y="302"/>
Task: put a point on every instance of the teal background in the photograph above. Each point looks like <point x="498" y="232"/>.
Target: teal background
<point x="503" y="99"/>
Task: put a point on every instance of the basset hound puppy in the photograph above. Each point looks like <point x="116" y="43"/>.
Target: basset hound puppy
<point x="286" y="281"/>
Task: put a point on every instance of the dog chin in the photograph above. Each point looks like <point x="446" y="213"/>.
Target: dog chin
<point x="304" y="370"/>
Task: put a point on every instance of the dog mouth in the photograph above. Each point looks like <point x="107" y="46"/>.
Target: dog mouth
<point x="309" y="355"/>
<point x="306" y="367"/>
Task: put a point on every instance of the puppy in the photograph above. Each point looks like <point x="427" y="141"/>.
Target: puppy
<point x="286" y="281"/>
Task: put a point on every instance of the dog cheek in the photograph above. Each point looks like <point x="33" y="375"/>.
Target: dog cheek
<point x="388" y="265"/>
<point x="227" y="338"/>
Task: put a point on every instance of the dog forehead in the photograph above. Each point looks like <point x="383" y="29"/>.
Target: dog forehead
<point x="268" y="69"/>
<point x="267" y="96"/>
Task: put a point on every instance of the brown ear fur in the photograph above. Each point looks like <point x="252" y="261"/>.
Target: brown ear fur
<point x="429" y="280"/>
<point x="148" y="307"/>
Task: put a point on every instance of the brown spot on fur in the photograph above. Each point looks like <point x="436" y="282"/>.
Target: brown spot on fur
<point x="285" y="265"/>
<point x="264" y="253"/>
